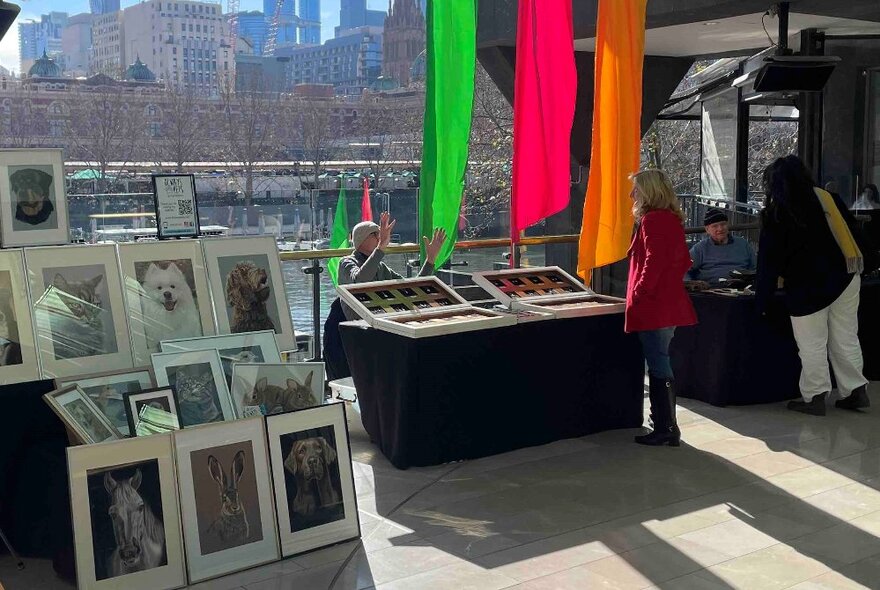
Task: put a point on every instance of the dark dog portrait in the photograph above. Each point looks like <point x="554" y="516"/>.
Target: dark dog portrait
<point x="32" y="195"/>
<point x="311" y="473"/>
<point x="248" y="290"/>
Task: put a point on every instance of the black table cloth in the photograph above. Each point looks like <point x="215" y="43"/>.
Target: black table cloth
<point x="735" y="357"/>
<point x="427" y="401"/>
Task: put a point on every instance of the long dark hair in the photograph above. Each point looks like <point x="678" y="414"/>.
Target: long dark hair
<point x="788" y="186"/>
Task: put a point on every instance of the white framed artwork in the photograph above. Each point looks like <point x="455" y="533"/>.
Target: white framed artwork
<point x="107" y="390"/>
<point x="79" y="309"/>
<point x="18" y="352"/>
<point x="248" y="287"/>
<point x="167" y="293"/>
<point x="33" y="203"/>
<point x="263" y="389"/>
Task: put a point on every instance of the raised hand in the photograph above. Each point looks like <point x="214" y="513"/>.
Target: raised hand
<point x="433" y="247"/>
<point x="386" y="224"/>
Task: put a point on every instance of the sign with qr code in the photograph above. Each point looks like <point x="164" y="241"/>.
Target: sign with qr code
<point x="177" y="212"/>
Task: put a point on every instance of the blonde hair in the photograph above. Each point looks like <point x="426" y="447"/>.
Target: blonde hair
<point x="653" y="191"/>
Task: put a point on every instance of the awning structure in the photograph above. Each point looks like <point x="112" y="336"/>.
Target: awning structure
<point x="90" y="174"/>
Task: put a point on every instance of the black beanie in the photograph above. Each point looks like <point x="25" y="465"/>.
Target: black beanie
<point x="714" y="216"/>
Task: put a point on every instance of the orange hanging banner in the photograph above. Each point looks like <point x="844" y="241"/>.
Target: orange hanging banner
<point x="617" y="109"/>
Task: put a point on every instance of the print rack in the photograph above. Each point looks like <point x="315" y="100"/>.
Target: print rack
<point x="546" y="289"/>
<point x="418" y="308"/>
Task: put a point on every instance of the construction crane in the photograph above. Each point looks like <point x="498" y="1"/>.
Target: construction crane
<point x="232" y="8"/>
<point x="272" y="38"/>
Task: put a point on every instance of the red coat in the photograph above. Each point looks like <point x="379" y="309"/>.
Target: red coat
<point x="659" y="258"/>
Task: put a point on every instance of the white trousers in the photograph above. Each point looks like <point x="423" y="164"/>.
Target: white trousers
<point x="831" y="332"/>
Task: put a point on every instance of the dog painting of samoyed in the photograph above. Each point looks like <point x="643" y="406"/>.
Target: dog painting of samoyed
<point x="169" y="308"/>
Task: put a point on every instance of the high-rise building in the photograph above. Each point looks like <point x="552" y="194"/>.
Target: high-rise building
<point x="354" y="13"/>
<point x="76" y="43"/>
<point x="103" y="6"/>
<point x="108" y="43"/>
<point x="253" y="27"/>
<point x="403" y="40"/>
<point x="287" y="21"/>
<point x="186" y="43"/>
<point x="37" y="37"/>
<point x="27" y="44"/>
<point x="310" y="22"/>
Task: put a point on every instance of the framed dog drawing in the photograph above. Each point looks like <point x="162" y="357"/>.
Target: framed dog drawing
<point x="275" y="388"/>
<point x="79" y="309"/>
<point x="226" y="498"/>
<point x="197" y="379"/>
<point x="18" y="353"/>
<point x="166" y="289"/>
<point x="248" y="347"/>
<point x="33" y="205"/>
<point x="248" y="287"/>
<point x="126" y="516"/>
<point x="313" y="479"/>
<point x="107" y="391"/>
<point x="81" y="416"/>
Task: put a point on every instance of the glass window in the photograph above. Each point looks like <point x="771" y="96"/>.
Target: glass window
<point x="719" y="127"/>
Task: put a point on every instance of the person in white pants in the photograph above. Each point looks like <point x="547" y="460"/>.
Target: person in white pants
<point x="810" y="240"/>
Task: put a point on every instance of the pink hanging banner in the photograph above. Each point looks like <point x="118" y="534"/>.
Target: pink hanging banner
<point x="543" y="110"/>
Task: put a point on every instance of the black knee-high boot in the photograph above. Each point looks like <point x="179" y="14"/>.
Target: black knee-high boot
<point x="666" y="432"/>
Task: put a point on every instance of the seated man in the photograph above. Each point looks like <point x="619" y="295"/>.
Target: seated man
<point x="719" y="253"/>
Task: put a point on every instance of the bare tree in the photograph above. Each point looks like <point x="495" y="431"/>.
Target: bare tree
<point x="181" y="128"/>
<point x="314" y="127"/>
<point x="24" y="125"/>
<point x="105" y="126"/>
<point x="250" y="128"/>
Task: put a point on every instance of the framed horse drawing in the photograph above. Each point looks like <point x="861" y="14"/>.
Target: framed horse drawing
<point x="126" y="515"/>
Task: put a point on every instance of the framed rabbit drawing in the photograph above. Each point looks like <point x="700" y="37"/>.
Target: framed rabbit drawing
<point x="226" y="498"/>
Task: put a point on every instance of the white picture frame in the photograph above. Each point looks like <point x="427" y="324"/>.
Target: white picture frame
<point x="167" y="294"/>
<point x="106" y="390"/>
<point x="245" y="265"/>
<point x="99" y="476"/>
<point x="19" y="360"/>
<point x="24" y="220"/>
<point x="247" y="347"/>
<point x="274" y="388"/>
<point x="197" y="378"/>
<point x="79" y="309"/>
<point x="81" y="416"/>
<point x="226" y="533"/>
<point x="307" y="522"/>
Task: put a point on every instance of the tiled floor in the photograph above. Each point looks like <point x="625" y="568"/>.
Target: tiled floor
<point x="757" y="498"/>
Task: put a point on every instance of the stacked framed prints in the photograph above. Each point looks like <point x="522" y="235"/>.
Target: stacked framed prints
<point x="33" y="204"/>
<point x="83" y="418"/>
<point x="546" y="289"/>
<point x="248" y="287"/>
<point x="18" y="352"/>
<point x="167" y="293"/>
<point x="79" y="309"/>
<point x="418" y="308"/>
<point x="108" y="390"/>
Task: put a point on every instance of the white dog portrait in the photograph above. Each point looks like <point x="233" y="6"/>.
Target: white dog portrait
<point x="169" y="307"/>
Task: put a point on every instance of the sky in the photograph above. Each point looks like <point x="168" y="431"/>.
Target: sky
<point x="32" y="9"/>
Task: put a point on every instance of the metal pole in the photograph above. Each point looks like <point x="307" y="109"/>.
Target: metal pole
<point x="315" y="270"/>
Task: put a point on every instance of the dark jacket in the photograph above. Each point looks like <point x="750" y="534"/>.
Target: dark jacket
<point x="659" y="258"/>
<point x="806" y="256"/>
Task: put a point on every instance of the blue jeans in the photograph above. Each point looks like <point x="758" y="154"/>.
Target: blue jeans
<point x="655" y="345"/>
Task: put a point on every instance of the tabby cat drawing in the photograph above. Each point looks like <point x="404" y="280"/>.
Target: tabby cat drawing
<point x="77" y="326"/>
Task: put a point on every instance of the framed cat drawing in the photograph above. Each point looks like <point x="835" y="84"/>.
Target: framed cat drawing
<point x="79" y="312"/>
<point x="18" y="352"/>
<point x="33" y="205"/>
<point x="197" y="378"/>
<point x="166" y="290"/>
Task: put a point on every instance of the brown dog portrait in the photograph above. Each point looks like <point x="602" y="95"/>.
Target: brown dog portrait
<point x="247" y="289"/>
<point x="31" y="189"/>
<point x="309" y="461"/>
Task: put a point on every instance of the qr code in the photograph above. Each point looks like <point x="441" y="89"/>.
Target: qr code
<point x="184" y="207"/>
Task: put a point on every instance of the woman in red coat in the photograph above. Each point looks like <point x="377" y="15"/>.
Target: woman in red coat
<point x="656" y="300"/>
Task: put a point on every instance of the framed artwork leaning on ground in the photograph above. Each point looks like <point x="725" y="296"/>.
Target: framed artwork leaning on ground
<point x="81" y="416"/>
<point x="226" y="498"/>
<point x="33" y="204"/>
<point x="248" y="287"/>
<point x="79" y="310"/>
<point x="107" y="390"/>
<point x="18" y="353"/>
<point x="126" y="515"/>
<point x="167" y="293"/>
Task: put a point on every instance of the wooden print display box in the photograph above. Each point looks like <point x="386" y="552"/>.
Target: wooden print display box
<point x="546" y="289"/>
<point x="418" y="308"/>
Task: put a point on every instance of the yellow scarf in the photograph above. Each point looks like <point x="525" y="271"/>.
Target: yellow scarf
<point x="855" y="263"/>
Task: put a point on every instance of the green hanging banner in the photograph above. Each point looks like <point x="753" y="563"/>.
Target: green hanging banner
<point x="449" y="101"/>
<point x="339" y="233"/>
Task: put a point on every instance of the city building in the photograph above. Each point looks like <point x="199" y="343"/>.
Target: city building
<point x="354" y="13"/>
<point x="36" y="37"/>
<point x="263" y="73"/>
<point x="403" y="40"/>
<point x="186" y="43"/>
<point x="103" y="6"/>
<point x="27" y="45"/>
<point x="287" y="21"/>
<point x="76" y="44"/>
<point x="253" y="27"/>
<point x="350" y="63"/>
<point x="108" y="43"/>
<point x="310" y="22"/>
